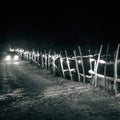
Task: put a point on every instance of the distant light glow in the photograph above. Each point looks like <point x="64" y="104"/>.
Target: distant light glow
<point x="16" y="63"/>
<point x="21" y="50"/>
<point x="59" y="55"/>
<point x="26" y="52"/>
<point x="12" y="50"/>
<point x="61" y="60"/>
<point x="91" y="59"/>
<point x="16" y="57"/>
<point x="67" y="61"/>
<point x="8" y="58"/>
<point x="102" y="62"/>
<point x="79" y="61"/>
<point x="91" y="72"/>
<point x="17" y="50"/>
<point x="43" y="55"/>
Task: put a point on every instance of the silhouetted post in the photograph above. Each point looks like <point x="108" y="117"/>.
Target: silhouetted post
<point x="89" y="60"/>
<point x="38" y="58"/>
<point x="76" y="64"/>
<point x="83" y="69"/>
<point x="45" y="59"/>
<point x="42" y="61"/>
<point x="115" y="70"/>
<point x="30" y="57"/>
<point x="106" y="65"/>
<point x="49" y="56"/>
<point x="27" y="56"/>
<point x="61" y="63"/>
<point x="33" y="56"/>
<point x="96" y="67"/>
<point x="68" y="64"/>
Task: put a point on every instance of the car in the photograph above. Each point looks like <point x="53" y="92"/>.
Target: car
<point x="12" y="56"/>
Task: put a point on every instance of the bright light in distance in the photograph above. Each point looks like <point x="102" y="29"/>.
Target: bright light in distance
<point x="21" y="50"/>
<point x="33" y="53"/>
<point x="43" y="55"/>
<point x="91" y="59"/>
<point x="61" y="60"/>
<point x="8" y="58"/>
<point x="17" y="50"/>
<point x="79" y="61"/>
<point x="67" y="61"/>
<point x="91" y="72"/>
<point x="16" y="57"/>
<point x="26" y="52"/>
<point x="12" y="50"/>
<point x="59" y="55"/>
<point x="102" y="62"/>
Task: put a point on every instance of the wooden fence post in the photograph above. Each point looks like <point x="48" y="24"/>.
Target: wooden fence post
<point x="45" y="60"/>
<point x="27" y="57"/>
<point x="96" y="67"/>
<point x="42" y="61"/>
<point x="31" y="57"/>
<point x="91" y="66"/>
<point x="61" y="63"/>
<point x="49" y="55"/>
<point x="76" y="63"/>
<point x="89" y="60"/>
<point x="106" y="66"/>
<point x="38" y="58"/>
<point x="67" y="61"/>
<point x="115" y="70"/>
<point x="82" y="64"/>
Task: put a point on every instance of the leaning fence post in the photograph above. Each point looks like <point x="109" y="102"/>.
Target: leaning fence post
<point x="96" y="68"/>
<point x="82" y="64"/>
<point x="76" y="63"/>
<point x="106" y="65"/>
<point x="49" y="55"/>
<point x="38" y="58"/>
<point x="67" y="61"/>
<point x="45" y="60"/>
<point x="29" y="57"/>
<point x="115" y="70"/>
<point x="89" y="60"/>
<point x="32" y="55"/>
<point x="42" y="61"/>
<point x="61" y="63"/>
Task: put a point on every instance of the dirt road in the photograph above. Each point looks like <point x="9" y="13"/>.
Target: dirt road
<point x="29" y="93"/>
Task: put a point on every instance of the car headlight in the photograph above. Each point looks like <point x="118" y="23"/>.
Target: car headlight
<point x="16" y="57"/>
<point x="8" y="58"/>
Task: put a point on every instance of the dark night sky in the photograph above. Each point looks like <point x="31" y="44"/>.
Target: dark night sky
<point x="60" y="25"/>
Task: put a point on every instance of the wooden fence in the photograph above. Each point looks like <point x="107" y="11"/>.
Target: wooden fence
<point x="77" y="65"/>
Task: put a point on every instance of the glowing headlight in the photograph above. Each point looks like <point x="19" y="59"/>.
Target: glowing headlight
<point x="8" y="58"/>
<point x="16" y="57"/>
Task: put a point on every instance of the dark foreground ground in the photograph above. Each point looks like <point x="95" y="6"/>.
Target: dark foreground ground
<point x="28" y="93"/>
